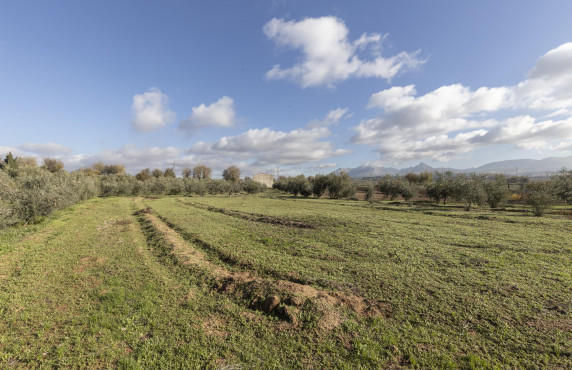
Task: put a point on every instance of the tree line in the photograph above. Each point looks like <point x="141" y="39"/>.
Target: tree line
<point x="470" y="189"/>
<point x="29" y="192"/>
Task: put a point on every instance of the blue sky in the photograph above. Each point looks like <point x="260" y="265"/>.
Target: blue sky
<point x="306" y="86"/>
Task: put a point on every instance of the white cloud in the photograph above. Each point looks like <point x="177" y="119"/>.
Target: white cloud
<point x="219" y="114"/>
<point x="151" y="110"/>
<point x="333" y="117"/>
<point x="16" y="152"/>
<point x="326" y="165"/>
<point x="269" y="147"/>
<point x="132" y="157"/>
<point x="328" y="56"/>
<point x="46" y="149"/>
<point x="454" y="119"/>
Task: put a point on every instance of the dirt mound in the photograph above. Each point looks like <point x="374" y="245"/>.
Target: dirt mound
<point x="285" y="299"/>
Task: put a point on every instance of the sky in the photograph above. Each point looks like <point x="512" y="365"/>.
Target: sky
<point x="289" y="86"/>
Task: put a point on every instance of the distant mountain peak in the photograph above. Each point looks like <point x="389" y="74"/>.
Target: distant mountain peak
<point x="509" y="167"/>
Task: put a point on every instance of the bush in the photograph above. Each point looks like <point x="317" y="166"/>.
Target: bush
<point x="253" y="187"/>
<point x="496" y="191"/>
<point x="340" y="186"/>
<point x="442" y="186"/>
<point x="299" y="185"/>
<point x="563" y="185"/>
<point x="392" y="187"/>
<point x="540" y="196"/>
<point x="470" y="188"/>
<point x="369" y="192"/>
<point x="37" y="193"/>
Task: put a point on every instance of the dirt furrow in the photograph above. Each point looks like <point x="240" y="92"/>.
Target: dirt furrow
<point x="285" y="299"/>
<point x="252" y="216"/>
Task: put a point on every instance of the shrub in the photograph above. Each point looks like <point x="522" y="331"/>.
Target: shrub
<point x="253" y="187"/>
<point x="369" y="192"/>
<point x="299" y="185"/>
<point x="496" y="191"/>
<point x="320" y="185"/>
<point x="340" y="186"/>
<point x="470" y="188"/>
<point x="540" y="196"/>
<point x="563" y="185"/>
<point x="442" y="186"/>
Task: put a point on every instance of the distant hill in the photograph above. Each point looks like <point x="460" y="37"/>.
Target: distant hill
<point x="533" y="167"/>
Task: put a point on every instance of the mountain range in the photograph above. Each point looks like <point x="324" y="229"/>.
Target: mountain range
<point x="530" y="167"/>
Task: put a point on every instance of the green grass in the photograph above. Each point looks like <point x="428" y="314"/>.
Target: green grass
<point x="97" y="286"/>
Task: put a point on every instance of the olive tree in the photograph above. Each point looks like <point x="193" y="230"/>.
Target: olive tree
<point x="232" y="176"/>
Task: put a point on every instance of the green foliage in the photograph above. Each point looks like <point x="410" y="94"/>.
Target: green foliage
<point x="421" y="178"/>
<point x="35" y="193"/>
<point x="299" y="185"/>
<point x="187" y="172"/>
<point x="470" y="188"/>
<point x="540" y="196"/>
<point x="53" y="165"/>
<point x="340" y="186"/>
<point x="112" y="169"/>
<point x="253" y="187"/>
<point x="144" y="175"/>
<point x="169" y="172"/>
<point x="335" y="186"/>
<point x="442" y="186"/>
<point x="231" y="174"/>
<point x="392" y="187"/>
<point x="202" y="172"/>
<point x="369" y="192"/>
<point x="563" y="185"/>
<point x="320" y="185"/>
<point x="496" y="191"/>
<point x="157" y="173"/>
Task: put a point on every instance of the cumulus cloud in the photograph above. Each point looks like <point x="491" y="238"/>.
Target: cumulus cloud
<point x="46" y="149"/>
<point x="267" y="147"/>
<point x="151" y="111"/>
<point x="134" y="158"/>
<point x="328" y="56"/>
<point x="219" y="114"/>
<point x="455" y="119"/>
<point x="333" y="117"/>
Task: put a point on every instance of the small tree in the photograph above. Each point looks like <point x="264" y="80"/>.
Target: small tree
<point x="112" y="169"/>
<point x="299" y="185"/>
<point x="406" y="189"/>
<point x="369" y="192"/>
<point x="157" y="173"/>
<point x="169" y="172"/>
<point x="144" y="175"/>
<point x="442" y="186"/>
<point x="340" y="186"/>
<point x="232" y="175"/>
<point x="53" y="165"/>
<point x="540" y="196"/>
<point x="495" y="190"/>
<point x="563" y="185"/>
<point x="252" y="187"/>
<point x="470" y="188"/>
<point x="27" y="162"/>
<point x="320" y="185"/>
<point x="202" y="172"/>
<point x="187" y="172"/>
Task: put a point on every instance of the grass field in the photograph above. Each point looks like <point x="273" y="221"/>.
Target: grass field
<point x="274" y="281"/>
